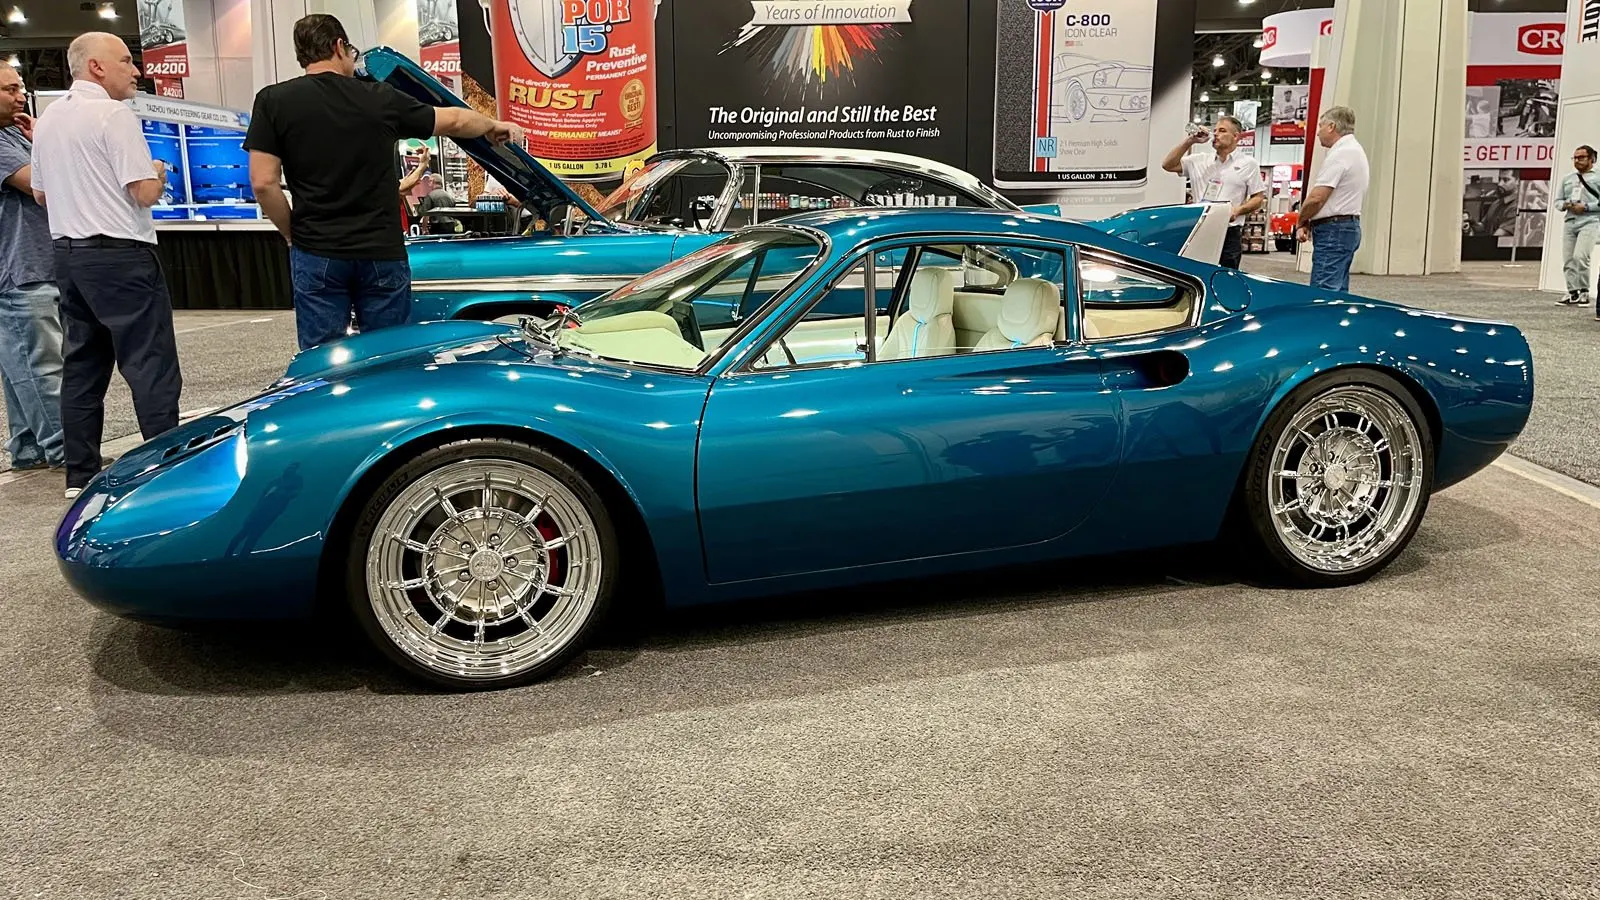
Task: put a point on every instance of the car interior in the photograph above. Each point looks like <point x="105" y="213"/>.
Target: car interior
<point x="928" y="300"/>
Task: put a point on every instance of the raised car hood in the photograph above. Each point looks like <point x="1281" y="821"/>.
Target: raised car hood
<point x="521" y="174"/>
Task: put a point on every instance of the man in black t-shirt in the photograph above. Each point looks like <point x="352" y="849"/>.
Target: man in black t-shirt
<point x="332" y="136"/>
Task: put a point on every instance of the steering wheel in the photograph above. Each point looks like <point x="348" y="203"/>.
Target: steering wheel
<point x="696" y="207"/>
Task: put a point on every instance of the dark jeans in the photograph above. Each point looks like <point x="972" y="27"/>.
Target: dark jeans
<point x="328" y="291"/>
<point x="114" y="311"/>
<point x="1233" y="248"/>
<point x="1333" y="249"/>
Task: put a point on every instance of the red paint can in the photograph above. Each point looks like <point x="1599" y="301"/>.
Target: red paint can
<point x="579" y="77"/>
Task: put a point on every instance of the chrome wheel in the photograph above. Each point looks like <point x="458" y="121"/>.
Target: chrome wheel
<point x="1346" y="479"/>
<point x="483" y="568"/>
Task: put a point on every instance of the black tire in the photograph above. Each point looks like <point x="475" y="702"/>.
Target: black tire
<point x="1253" y="527"/>
<point x="479" y="450"/>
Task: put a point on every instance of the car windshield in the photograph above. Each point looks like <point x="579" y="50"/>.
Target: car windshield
<point x="680" y="192"/>
<point x="680" y="314"/>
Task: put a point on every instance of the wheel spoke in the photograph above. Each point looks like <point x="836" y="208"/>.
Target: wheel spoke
<point x="409" y="544"/>
<point x="444" y="503"/>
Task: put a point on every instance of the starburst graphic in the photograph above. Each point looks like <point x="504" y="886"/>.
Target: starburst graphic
<point x="812" y="56"/>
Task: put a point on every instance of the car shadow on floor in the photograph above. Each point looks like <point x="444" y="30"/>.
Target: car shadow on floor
<point x="285" y="686"/>
<point x="328" y="655"/>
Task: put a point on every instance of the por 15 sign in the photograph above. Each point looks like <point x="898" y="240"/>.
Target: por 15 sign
<point x="579" y="77"/>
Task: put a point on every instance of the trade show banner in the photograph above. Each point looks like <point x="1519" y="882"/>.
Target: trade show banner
<point x="1513" y="93"/>
<point x="1290" y="103"/>
<point x="439" y="37"/>
<point x="163" y="40"/>
<point x="887" y="75"/>
<point x="171" y="88"/>
<point x="579" y="76"/>
<point x="1089" y="91"/>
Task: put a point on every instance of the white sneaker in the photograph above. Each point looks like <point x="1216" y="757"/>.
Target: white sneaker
<point x="72" y="493"/>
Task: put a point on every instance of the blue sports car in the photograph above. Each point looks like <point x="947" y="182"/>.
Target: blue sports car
<point x="838" y="398"/>
<point x="683" y="200"/>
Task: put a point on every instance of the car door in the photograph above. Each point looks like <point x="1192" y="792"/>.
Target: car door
<point x="807" y="467"/>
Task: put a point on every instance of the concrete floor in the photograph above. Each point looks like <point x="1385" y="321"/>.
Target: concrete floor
<point x="1133" y="728"/>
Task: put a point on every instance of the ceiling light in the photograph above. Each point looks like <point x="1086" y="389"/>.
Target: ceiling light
<point x="1266" y="74"/>
<point x="16" y="17"/>
<point x="1205" y="97"/>
<point x="1234" y="86"/>
<point x="108" y="10"/>
<point x="1259" y="42"/>
<point x="1218" y="62"/>
<point x="13" y="62"/>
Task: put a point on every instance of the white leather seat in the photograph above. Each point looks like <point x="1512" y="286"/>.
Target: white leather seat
<point x="926" y="327"/>
<point x="1028" y="316"/>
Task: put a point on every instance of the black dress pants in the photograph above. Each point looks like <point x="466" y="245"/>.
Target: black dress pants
<point x="114" y="311"/>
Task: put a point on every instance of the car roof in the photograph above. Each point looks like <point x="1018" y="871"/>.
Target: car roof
<point x="949" y="173"/>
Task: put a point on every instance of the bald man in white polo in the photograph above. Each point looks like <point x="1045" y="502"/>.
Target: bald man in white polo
<point x="93" y="174"/>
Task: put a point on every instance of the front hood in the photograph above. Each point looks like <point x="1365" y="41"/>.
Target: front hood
<point x="418" y="344"/>
<point x="522" y="175"/>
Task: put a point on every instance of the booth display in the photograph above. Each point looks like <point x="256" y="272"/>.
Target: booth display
<point x="698" y="406"/>
<point x="680" y="201"/>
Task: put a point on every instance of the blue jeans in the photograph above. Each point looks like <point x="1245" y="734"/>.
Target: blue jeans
<point x="327" y="292"/>
<point x="30" y="369"/>
<point x="1333" y="249"/>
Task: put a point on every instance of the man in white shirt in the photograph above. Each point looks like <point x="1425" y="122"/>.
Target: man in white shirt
<point x="1330" y="217"/>
<point x="93" y="174"/>
<point x="1221" y="175"/>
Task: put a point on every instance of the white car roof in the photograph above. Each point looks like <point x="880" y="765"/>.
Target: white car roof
<point x="949" y="173"/>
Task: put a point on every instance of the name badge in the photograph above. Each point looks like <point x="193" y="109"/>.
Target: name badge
<point x="1214" y="190"/>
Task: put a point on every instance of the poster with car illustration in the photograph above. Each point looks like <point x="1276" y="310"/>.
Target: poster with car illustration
<point x="1092" y="87"/>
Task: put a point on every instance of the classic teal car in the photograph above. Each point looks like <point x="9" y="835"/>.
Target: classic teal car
<point x="684" y="200"/>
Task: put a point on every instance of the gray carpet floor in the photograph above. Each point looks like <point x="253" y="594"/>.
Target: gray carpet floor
<point x="1146" y="728"/>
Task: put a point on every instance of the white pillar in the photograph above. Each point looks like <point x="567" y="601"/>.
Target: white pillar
<point x="369" y="23"/>
<point x="1577" y="123"/>
<point x="1401" y="65"/>
<point x="219" y="53"/>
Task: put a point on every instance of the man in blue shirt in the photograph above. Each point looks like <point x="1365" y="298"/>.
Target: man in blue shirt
<point x="30" y="315"/>
<point x="1579" y="198"/>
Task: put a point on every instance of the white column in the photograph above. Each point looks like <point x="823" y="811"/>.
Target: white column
<point x="219" y="53"/>
<point x="1401" y="65"/>
<point x="1577" y="123"/>
<point x="368" y="22"/>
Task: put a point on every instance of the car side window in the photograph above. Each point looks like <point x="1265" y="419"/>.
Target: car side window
<point x="833" y="331"/>
<point x="1121" y="301"/>
<point x="933" y="300"/>
<point x="688" y="197"/>
<point x="1002" y="296"/>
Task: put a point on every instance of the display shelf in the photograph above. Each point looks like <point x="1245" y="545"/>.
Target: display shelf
<point x="1256" y="238"/>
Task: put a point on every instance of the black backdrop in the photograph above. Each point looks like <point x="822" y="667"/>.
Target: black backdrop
<point x="931" y="65"/>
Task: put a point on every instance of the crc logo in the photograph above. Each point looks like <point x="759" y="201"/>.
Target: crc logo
<point x="1269" y="37"/>
<point x="1541" y="40"/>
<point x="1327" y="27"/>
